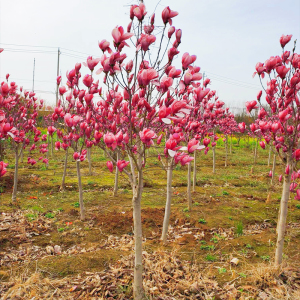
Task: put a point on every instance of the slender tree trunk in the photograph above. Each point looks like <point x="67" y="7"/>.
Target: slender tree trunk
<point x="231" y="144"/>
<point x="195" y="171"/>
<point x="116" y="177"/>
<point x="65" y="171"/>
<point x="255" y="151"/>
<point x="48" y="140"/>
<point x="273" y="169"/>
<point x="52" y="146"/>
<point x="214" y="159"/>
<point x="269" y="159"/>
<point x="168" y="202"/>
<point x="226" y="150"/>
<point x="15" y="188"/>
<point x="138" y="290"/>
<point x="81" y="205"/>
<point x="281" y="226"/>
<point x="22" y="154"/>
<point x="189" y="196"/>
<point x="89" y="154"/>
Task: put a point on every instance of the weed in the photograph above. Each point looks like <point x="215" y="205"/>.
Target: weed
<point x="43" y="168"/>
<point x="207" y="247"/>
<point x="248" y="246"/>
<point x="210" y="257"/>
<point x="298" y="206"/>
<point x="177" y="168"/>
<point x="265" y="258"/>
<point x="202" y="221"/>
<point x="230" y="218"/>
<point x="196" y="204"/>
<point x="30" y="217"/>
<point x="60" y="209"/>
<point x="76" y="204"/>
<point x="239" y="228"/>
<point x="243" y="275"/>
<point x="185" y="209"/>
<point x="214" y="239"/>
<point x="225" y="193"/>
<point x="222" y="270"/>
<point x="203" y="242"/>
<point x="61" y="229"/>
<point x="49" y="215"/>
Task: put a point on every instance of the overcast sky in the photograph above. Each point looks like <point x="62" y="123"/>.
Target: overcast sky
<point x="228" y="36"/>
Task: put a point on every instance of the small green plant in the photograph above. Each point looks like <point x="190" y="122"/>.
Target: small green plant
<point x="222" y="270"/>
<point x="243" y="275"/>
<point x="177" y="168"/>
<point x="207" y="247"/>
<point x="203" y="242"/>
<point x="202" y="221"/>
<point x="185" y="209"/>
<point x="30" y="217"/>
<point x="61" y="229"/>
<point x="265" y="258"/>
<point x="210" y="257"/>
<point x="60" y="209"/>
<point x="196" y="204"/>
<point x="90" y="182"/>
<point x="50" y="215"/>
<point x="230" y="218"/>
<point x="187" y="216"/>
<point x="248" y="246"/>
<point x="214" y="240"/>
<point x="43" y="168"/>
<point x="87" y="228"/>
<point x="76" y="204"/>
<point x="239" y="228"/>
<point x="125" y="191"/>
<point x="225" y="193"/>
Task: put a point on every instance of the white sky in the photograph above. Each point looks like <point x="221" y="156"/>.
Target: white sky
<point x="228" y="36"/>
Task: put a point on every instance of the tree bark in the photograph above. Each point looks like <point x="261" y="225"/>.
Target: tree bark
<point x="89" y="153"/>
<point x="22" y="154"/>
<point x="189" y="187"/>
<point x="168" y="202"/>
<point x="52" y="146"/>
<point x="116" y="177"/>
<point x="214" y="159"/>
<point x="273" y="169"/>
<point x="269" y="159"/>
<point x="138" y="290"/>
<point x="65" y="171"/>
<point x="230" y="144"/>
<point x="281" y="226"/>
<point x="226" y="150"/>
<point x="15" y="188"/>
<point x="195" y="171"/>
<point x="81" y="205"/>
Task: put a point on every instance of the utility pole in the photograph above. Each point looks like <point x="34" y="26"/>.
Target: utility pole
<point x="33" y="75"/>
<point x="58" y="55"/>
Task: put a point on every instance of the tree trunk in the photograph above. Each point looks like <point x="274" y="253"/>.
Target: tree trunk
<point x="65" y="171"/>
<point x="281" y="226"/>
<point x="269" y="159"/>
<point x="255" y="151"/>
<point x="89" y="153"/>
<point x="22" y="154"/>
<point x="231" y="144"/>
<point x="15" y="188"/>
<point x="214" y="159"/>
<point x="81" y="205"/>
<point x="138" y="290"/>
<point x="116" y="177"/>
<point x="273" y="169"/>
<point x="168" y="202"/>
<point x="226" y="150"/>
<point x="189" y="186"/>
<point x="195" y="171"/>
<point x="52" y="146"/>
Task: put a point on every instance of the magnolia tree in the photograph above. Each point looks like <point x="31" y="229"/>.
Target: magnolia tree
<point x="281" y="123"/>
<point x="133" y="95"/>
<point x="75" y="111"/>
<point x="18" y="112"/>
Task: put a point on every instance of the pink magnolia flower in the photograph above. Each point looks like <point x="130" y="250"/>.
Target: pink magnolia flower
<point x="167" y="15"/>
<point x="110" y="166"/>
<point x="51" y="130"/>
<point x="206" y="142"/>
<point x="92" y="62"/>
<point x="57" y="145"/>
<point x="3" y="166"/>
<point x="193" y="144"/>
<point x="297" y="197"/>
<point x="282" y="71"/>
<point x="104" y="46"/>
<point x="119" y="35"/>
<point x="140" y="11"/>
<point x="146" y="76"/>
<point x="147" y="136"/>
<point x="293" y="185"/>
<point x="1" y="50"/>
<point x="110" y="140"/>
<point x="262" y="144"/>
<point x="185" y="159"/>
<point x="121" y="164"/>
<point x="171" y="31"/>
<point x="280" y="178"/>
<point x="251" y="105"/>
<point x="187" y="60"/>
<point x="284" y="39"/>
<point x="270" y="173"/>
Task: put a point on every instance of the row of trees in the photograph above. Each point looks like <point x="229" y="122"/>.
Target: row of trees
<point x="148" y="102"/>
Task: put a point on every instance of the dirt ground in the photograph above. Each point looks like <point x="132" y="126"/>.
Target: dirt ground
<point x="222" y="249"/>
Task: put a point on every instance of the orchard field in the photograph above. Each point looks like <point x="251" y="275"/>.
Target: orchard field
<point x="141" y="182"/>
<point x="222" y="248"/>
